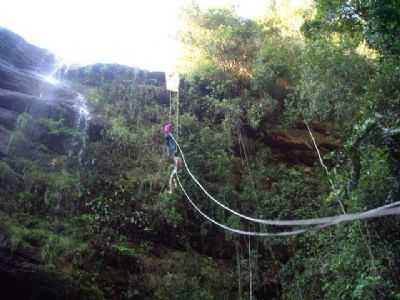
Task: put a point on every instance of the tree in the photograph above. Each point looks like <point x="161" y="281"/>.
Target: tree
<point x="376" y="21"/>
<point x="221" y="39"/>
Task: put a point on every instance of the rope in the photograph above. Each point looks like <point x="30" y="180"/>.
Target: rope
<point x="390" y="210"/>
<point x="324" y="166"/>
<point x="177" y="113"/>
<point x="170" y="105"/>
<point x="380" y="211"/>
<point x="230" y="229"/>
<point x="250" y="272"/>
<point x="175" y="110"/>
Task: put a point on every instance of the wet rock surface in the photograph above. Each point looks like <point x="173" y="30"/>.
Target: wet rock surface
<point x="38" y="118"/>
<point x="26" y="88"/>
<point x="23" y="55"/>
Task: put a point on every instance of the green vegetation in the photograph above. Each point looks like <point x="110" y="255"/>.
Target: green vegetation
<point x="248" y="90"/>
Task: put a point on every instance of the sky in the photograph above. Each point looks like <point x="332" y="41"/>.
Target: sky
<point x="138" y="33"/>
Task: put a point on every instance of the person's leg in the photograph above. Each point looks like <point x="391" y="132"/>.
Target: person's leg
<point x="171" y="181"/>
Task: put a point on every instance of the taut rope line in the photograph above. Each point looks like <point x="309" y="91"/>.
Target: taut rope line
<point x="379" y="211"/>
<point x="339" y="219"/>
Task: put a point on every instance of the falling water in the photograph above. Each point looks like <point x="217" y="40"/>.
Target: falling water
<point x="55" y="75"/>
<point x="82" y="124"/>
<point x="79" y="104"/>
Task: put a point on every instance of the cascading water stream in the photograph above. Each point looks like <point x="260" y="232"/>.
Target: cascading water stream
<point x="82" y="124"/>
<point x="56" y="77"/>
<point x="82" y="117"/>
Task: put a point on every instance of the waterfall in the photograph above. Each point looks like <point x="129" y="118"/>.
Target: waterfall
<point x="57" y="78"/>
<point x="82" y="124"/>
<point x="81" y="120"/>
<point x="55" y="75"/>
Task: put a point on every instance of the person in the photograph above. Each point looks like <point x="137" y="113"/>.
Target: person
<point x="167" y="129"/>
<point x="178" y="164"/>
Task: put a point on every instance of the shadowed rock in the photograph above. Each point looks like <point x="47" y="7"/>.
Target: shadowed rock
<point x="24" y="276"/>
<point x="8" y="118"/>
<point x="4" y="141"/>
<point x="99" y="74"/>
<point x="295" y="145"/>
<point x="15" y="102"/>
<point x="23" y="55"/>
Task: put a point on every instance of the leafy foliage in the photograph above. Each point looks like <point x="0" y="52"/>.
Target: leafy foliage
<point x="376" y="21"/>
<point x="245" y="96"/>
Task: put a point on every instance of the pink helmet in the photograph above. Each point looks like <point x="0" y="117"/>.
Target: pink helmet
<point x="168" y="127"/>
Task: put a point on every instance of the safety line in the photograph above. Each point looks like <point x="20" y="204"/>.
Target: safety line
<point x="324" y="166"/>
<point x="301" y="222"/>
<point x="250" y="273"/>
<point x="340" y="219"/>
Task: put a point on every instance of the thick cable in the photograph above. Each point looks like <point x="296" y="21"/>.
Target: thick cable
<point x="302" y="222"/>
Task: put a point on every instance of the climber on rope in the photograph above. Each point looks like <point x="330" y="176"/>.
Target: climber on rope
<point x="167" y="129"/>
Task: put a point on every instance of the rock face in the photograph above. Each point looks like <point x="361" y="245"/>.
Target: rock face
<point x="4" y="141"/>
<point x="8" y="118"/>
<point x="39" y="120"/>
<point x="295" y="145"/>
<point x="25" y="89"/>
<point x="105" y="75"/>
<point x="99" y="74"/>
<point x="18" y="53"/>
